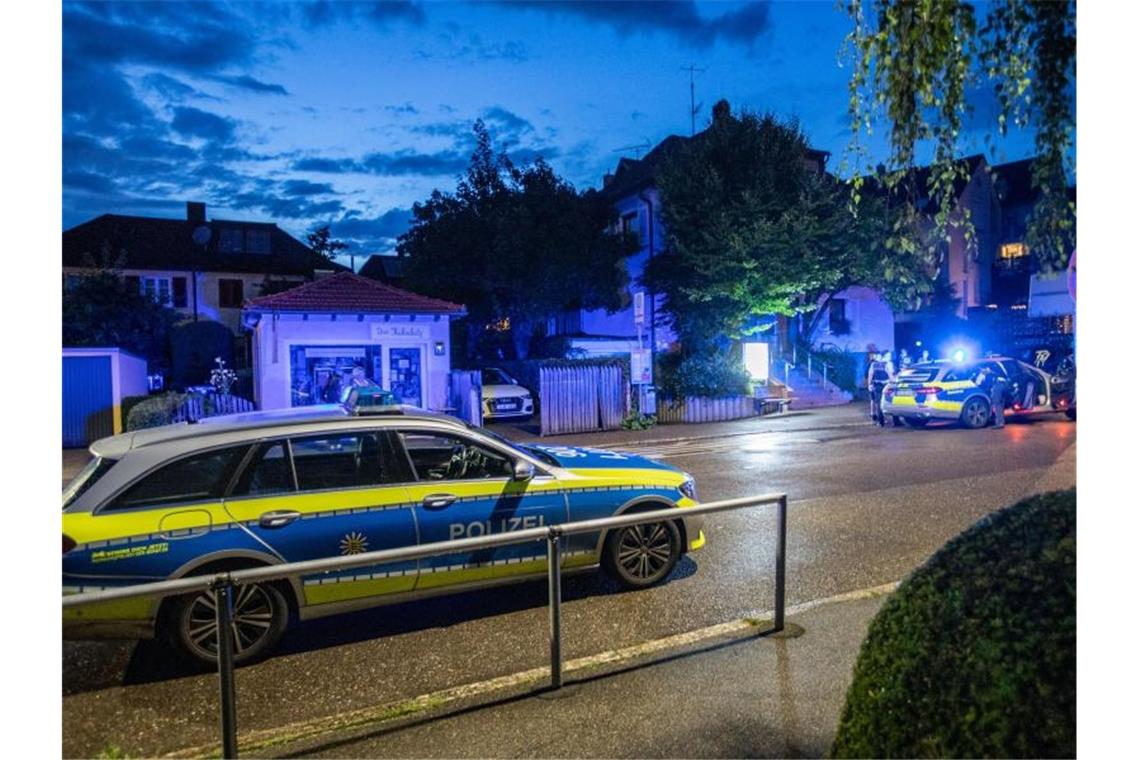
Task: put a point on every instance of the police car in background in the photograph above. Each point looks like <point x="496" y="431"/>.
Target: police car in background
<point x="264" y="488"/>
<point x="947" y="390"/>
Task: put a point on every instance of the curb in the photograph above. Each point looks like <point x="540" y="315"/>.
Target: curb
<point x="708" y="437"/>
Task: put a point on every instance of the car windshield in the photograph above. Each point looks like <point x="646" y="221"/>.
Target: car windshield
<point x="528" y="450"/>
<point x="86" y="478"/>
<point x="497" y="377"/>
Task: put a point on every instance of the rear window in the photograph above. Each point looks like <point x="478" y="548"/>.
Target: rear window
<point x="918" y="375"/>
<point x="200" y="477"/>
<point x="87" y="477"/>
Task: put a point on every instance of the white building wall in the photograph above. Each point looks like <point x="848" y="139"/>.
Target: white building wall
<point x="274" y="335"/>
<point x="872" y="322"/>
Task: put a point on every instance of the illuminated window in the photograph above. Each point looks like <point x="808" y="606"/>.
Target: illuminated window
<point x="156" y="288"/>
<point x="1014" y="250"/>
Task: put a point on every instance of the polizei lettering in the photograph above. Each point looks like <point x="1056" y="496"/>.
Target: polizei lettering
<point x="483" y="527"/>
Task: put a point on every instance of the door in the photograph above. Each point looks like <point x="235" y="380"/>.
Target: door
<point x="88" y="406"/>
<point x="326" y="495"/>
<point x="463" y="489"/>
<point x="404" y="378"/>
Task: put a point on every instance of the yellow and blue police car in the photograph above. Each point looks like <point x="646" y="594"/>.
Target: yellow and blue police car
<point x="948" y="390"/>
<point x="271" y="487"/>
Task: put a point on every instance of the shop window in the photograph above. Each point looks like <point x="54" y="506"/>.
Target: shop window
<point x="230" y="293"/>
<point x="322" y="374"/>
<point x="404" y="375"/>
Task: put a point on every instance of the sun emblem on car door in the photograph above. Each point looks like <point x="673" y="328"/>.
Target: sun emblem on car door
<point x="354" y="543"/>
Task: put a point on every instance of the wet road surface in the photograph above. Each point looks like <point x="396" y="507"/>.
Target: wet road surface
<point x="867" y="506"/>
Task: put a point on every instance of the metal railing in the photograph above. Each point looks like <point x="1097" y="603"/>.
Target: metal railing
<point x="221" y="585"/>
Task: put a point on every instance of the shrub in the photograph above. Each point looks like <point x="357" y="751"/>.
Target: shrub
<point x="714" y="374"/>
<point x="975" y="654"/>
<point x="154" y="411"/>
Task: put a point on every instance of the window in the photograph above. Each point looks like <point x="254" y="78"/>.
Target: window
<point x="257" y="241"/>
<point x="269" y="472"/>
<point x="630" y="225"/>
<point x="492" y="376"/>
<point x="961" y="372"/>
<point x="87" y="477"/>
<point x="179" y="292"/>
<point x="156" y="288"/>
<point x="1014" y="251"/>
<point x="837" y="317"/>
<point x="339" y="461"/>
<point x="230" y="293"/>
<point x="201" y="477"/>
<point x="437" y="456"/>
<point x="230" y="241"/>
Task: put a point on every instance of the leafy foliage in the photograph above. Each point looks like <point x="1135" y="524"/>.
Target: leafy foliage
<point x="716" y="373"/>
<point x="914" y="63"/>
<point x="324" y="245"/>
<point x="515" y="245"/>
<point x="155" y="411"/>
<point x="102" y="309"/>
<point x="975" y="654"/>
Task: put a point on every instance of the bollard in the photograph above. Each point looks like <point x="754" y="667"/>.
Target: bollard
<point x="781" y="546"/>
<point x="554" y="572"/>
<point x="224" y="615"/>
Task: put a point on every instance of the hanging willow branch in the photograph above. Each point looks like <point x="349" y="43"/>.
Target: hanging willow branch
<point x="913" y="61"/>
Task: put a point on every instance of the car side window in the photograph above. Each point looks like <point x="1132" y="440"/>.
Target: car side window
<point x="268" y="472"/>
<point x="439" y="456"/>
<point x="963" y="372"/>
<point x="353" y="460"/>
<point x="199" y="477"/>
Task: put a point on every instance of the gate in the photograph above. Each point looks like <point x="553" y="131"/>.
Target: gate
<point x="466" y="394"/>
<point x="88" y="403"/>
<point x="581" y="399"/>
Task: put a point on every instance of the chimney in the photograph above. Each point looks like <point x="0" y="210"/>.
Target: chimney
<point x="195" y="212"/>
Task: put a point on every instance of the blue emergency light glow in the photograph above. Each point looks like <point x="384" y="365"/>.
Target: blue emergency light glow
<point x="959" y="355"/>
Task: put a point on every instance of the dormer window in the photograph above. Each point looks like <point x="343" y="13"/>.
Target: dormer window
<point x="230" y="241"/>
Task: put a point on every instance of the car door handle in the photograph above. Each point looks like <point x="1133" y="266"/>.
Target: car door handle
<point x="438" y="501"/>
<point x="278" y="519"/>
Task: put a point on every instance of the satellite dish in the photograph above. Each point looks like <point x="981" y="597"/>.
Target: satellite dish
<point x="201" y="235"/>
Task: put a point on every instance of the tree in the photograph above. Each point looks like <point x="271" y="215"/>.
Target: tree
<point x="752" y="231"/>
<point x="324" y="245"/>
<point x="515" y="245"/>
<point x="916" y="62"/>
<point x="103" y="309"/>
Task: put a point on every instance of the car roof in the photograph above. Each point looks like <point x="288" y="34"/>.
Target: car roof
<point x="235" y="428"/>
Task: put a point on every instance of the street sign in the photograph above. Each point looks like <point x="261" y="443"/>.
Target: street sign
<point x="641" y="366"/>
<point x="639" y="307"/>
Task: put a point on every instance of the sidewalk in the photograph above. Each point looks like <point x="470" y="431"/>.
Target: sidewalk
<point x="736" y="695"/>
<point x="822" y="418"/>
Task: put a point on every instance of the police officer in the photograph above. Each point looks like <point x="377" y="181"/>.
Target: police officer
<point x="877" y="377"/>
<point x="995" y="384"/>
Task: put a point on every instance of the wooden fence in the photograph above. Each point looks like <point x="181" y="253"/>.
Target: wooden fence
<point x="196" y="407"/>
<point x="705" y="409"/>
<point x="466" y="393"/>
<point x="581" y="399"/>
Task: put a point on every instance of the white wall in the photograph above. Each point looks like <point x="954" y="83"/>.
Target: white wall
<point x="275" y="335"/>
<point x="871" y="319"/>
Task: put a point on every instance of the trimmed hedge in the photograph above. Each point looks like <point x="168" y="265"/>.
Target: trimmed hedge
<point x="154" y="411"/>
<point x="975" y="654"/>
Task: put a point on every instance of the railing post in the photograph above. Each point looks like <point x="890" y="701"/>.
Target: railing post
<point x="224" y="615"/>
<point x="781" y="546"/>
<point x="554" y="574"/>
<point x="809" y="367"/>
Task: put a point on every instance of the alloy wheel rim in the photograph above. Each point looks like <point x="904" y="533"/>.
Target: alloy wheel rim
<point x="977" y="415"/>
<point x="252" y="619"/>
<point x="644" y="550"/>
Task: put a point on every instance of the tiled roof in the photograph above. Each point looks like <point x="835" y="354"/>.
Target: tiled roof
<point x="168" y="244"/>
<point x="348" y="293"/>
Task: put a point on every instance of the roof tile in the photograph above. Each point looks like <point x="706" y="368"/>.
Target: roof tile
<point x="346" y="292"/>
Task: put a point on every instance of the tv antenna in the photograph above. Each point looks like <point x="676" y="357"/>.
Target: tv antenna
<point x="694" y="106"/>
<point x="643" y="145"/>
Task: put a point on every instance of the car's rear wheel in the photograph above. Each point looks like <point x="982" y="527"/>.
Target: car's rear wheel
<point x="1071" y="413"/>
<point x="642" y="555"/>
<point x="976" y="414"/>
<point x="260" y="614"/>
<point x="915" y="422"/>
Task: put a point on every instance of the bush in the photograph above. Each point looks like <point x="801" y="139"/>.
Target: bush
<point x="154" y="411"/>
<point x="846" y="366"/>
<point x="714" y="374"/>
<point x="975" y="654"/>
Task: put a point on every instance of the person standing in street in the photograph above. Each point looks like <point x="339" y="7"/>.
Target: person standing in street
<point x="877" y="377"/>
<point x="997" y="399"/>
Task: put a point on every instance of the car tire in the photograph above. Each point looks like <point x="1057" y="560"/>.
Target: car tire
<point x="1071" y="413"/>
<point x="915" y="422"/>
<point x="976" y="414"/>
<point x="261" y="614"/>
<point x="642" y="555"/>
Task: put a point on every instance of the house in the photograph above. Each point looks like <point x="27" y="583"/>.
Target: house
<point x="386" y="269"/>
<point x="205" y="269"/>
<point x="313" y="340"/>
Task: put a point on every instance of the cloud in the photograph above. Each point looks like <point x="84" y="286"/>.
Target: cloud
<point x="194" y="122"/>
<point x="328" y="12"/>
<point x="296" y="187"/>
<point x="375" y="234"/>
<point x="680" y="19"/>
<point x="405" y="110"/>
<point x="172" y="89"/>
<point x="326" y="165"/>
<point x="246" y="82"/>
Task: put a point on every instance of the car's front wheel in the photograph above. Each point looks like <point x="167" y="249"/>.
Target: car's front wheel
<point x="642" y="555"/>
<point x="915" y="422"/>
<point x="975" y="414"/>
<point x="260" y="614"/>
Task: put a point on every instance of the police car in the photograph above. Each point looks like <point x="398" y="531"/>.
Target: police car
<point x="270" y="487"/>
<point x="946" y="390"/>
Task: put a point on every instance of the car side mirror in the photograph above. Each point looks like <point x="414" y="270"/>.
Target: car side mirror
<point x="522" y="470"/>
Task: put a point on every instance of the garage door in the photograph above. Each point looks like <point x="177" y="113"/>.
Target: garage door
<point x="87" y="401"/>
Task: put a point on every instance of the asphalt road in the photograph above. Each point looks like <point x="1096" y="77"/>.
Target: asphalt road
<point x="867" y="506"/>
